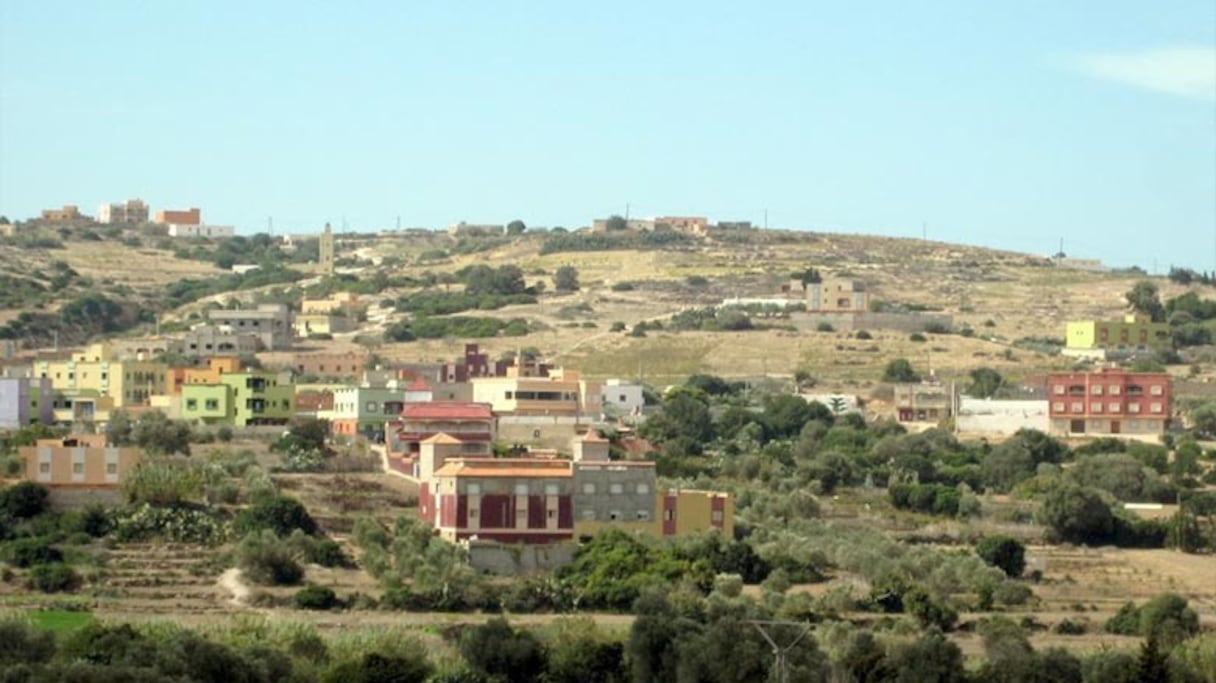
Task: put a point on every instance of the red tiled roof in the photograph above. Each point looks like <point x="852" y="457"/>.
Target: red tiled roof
<point x="419" y="385"/>
<point x="447" y="410"/>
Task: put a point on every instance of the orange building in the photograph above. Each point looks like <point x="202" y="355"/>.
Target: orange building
<point x="80" y="461"/>
<point x="174" y="217"/>
<point x="216" y="368"/>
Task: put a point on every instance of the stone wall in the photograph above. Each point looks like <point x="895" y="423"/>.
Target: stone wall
<point x="516" y="560"/>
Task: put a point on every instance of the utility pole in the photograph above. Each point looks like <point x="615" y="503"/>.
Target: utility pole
<point x="398" y="223"/>
<point x="924" y="231"/>
<point x="626" y="213"/>
<point x="270" y="225"/>
<point x="781" y="666"/>
<point x="766" y="219"/>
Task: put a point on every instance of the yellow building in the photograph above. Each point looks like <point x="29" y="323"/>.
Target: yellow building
<point x="97" y="382"/>
<point x="1133" y="333"/>
<point x="837" y="296"/>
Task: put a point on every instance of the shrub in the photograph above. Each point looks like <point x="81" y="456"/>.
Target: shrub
<point x="177" y="524"/>
<point x="825" y="327"/>
<point x="1006" y="553"/>
<point x="917" y="337"/>
<point x="269" y="560"/>
<point x="617" y="326"/>
<point x="862" y="334"/>
<point x="24" y="500"/>
<point x="315" y="598"/>
<point x="27" y="552"/>
<point x="54" y="578"/>
<point x="279" y="514"/>
<point x="500" y="651"/>
<point x="623" y="287"/>
<point x="21" y="643"/>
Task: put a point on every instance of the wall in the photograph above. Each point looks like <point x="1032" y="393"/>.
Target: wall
<point x="849" y="322"/>
<point x="514" y="560"/>
<point x="554" y="432"/>
<point x="1001" y="417"/>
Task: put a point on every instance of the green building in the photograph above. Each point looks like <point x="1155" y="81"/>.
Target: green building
<point x="240" y="399"/>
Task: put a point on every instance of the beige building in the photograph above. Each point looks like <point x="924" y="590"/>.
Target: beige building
<point x="271" y="323"/>
<point x="837" y="296"/>
<point x="94" y="381"/>
<point x="80" y="461"/>
<point x="130" y="211"/>
<point x="561" y="393"/>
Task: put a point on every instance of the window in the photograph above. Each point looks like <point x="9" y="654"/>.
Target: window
<point x="1058" y="407"/>
<point x="716" y="516"/>
<point x="643" y="515"/>
<point x="1078" y="407"/>
<point x="1115" y="391"/>
<point x="1113" y="407"/>
<point x="111" y="468"/>
<point x="669" y="515"/>
<point x="1096" y="390"/>
<point x="44" y="468"/>
<point x="621" y="398"/>
<point x="212" y="404"/>
<point x="551" y="514"/>
<point x="1133" y="407"/>
<point x="371" y="406"/>
<point x="191" y="404"/>
<point x="1059" y="389"/>
<point x="616" y="488"/>
<point x="1096" y="407"/>
<point x="589" y="488"/>
<point x="78" y="468"/>
<point x="1156" y="390"/>
<point x="643" y="488"/>
<point x="1156" y="408"/>
<point x="614" y="515"/>
<point x="472" y="513"/>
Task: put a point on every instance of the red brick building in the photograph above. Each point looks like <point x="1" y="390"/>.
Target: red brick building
<point x="1109" y="402"/>
<point x="509" y="500"/>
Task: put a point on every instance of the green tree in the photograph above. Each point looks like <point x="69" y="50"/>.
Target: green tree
<point x="516" y="227"/>
<point x="900" y="370"/>
<point x="1143" y="298"/>
<point x="1203" y="420"/>
<point x="565" y="279"/>
<point x="24" y="500"/>
<point x="1003" y="552"/>
<point x="504" y="653"/>
<point x="616" y="223"/>
<point x="984" y="382"/>
<point x="279" y="514"/>
<point x="1077" y="515"/>
<point x="156" y="433"/>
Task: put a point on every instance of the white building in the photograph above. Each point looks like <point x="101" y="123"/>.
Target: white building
<point x="211" y="231"/>
<point x="621" y="397"/>
<point x="988" y="416"/>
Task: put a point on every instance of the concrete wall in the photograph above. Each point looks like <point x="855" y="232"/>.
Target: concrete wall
<point x="514" y="560"/>
<point x="614" y="492"/>
<point x="544" y="432"/>
<point x="1001" y="417"/>
<point x="849" y="322"/>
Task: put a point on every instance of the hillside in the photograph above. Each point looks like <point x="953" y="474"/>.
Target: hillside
<point x="1004" y="298"/>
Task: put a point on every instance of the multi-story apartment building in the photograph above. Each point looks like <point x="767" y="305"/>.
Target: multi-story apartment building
<point x="509" y="500"/>
<point x="217" y="340"/>
<point x="469" y="422"/>
<point x="24" y="401"/>
<point x="330" y="363"/>
<point x="364" y="411"/>
<point x="836" y="296"/>
<point x="1109" y="402"/>
<point x="69" y="214"/>
<point x="241" y="399"/>
<point x="78" y="461"/>
<point x="923" y="402"/>
<point x="130" y="211"/>
<point x="561" y="393"/>
<point x="271" y="323"/>
<point x="477" y="363"/>
<point x="93" y="382"/>
<point x="1099" y="338"/>
<point x="215" y="369"/>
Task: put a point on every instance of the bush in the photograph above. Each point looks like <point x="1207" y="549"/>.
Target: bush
<point x="917" y="337"/>
<point x="825" y="327"/>
<point x="1006" y="553"/>
<point x="24" y="500"/>
<point x="269" y="560"/>
<point x="27" y="552"/>
<point x="315" y="598"/>
<point x="862" y="334"/>
<point x="623" y="287"/>
<point x="500" y="651"/>
<point x="54" y="578"/>
<point x="279" y="514"/>
<point x="176" y="524"/>
<point x="21" y="643"/>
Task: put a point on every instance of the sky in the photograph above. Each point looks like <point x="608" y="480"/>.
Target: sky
<point x="1005" y="123"/>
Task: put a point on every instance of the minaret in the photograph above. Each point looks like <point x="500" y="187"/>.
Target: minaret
<point x="326" y="251"/>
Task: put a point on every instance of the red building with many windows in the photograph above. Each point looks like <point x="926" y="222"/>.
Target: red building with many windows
<point x="1109" y="402"/>
<point x="509" y="500"/>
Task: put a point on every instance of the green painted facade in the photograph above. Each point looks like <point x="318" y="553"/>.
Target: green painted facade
<point x="259" y="398"/>
<point x="208" y="403"/>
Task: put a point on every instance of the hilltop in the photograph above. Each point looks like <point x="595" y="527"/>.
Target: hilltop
<point x="1005" y="303"/>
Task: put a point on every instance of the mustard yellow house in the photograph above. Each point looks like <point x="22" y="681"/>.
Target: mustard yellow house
<point x="1133" y="333"/>
<point x="94" y="381"/>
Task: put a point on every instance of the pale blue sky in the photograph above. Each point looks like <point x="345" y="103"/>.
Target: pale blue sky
<point x="1008" y="123"/>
